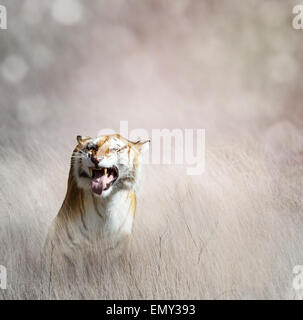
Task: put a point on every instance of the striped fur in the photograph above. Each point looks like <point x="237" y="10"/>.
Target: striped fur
<point x="86" y="218"/>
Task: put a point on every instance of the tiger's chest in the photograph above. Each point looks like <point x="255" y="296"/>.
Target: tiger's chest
<point x="104" y="220"/>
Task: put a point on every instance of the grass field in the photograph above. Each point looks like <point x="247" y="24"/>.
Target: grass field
<point x="234" y="232"/>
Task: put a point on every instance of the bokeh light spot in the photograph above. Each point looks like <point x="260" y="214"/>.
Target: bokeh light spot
<point x="67" y="12"/>
<point x="14" y="69"/>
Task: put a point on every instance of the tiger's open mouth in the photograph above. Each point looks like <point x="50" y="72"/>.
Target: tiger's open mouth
<point x="103" y="178"/>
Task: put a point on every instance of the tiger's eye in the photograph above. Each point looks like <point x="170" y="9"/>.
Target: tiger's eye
<point x="92" y="146"/>
<point x="122" y="148"/>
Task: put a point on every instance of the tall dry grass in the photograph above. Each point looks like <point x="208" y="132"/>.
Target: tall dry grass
<point x="234" y="232"/>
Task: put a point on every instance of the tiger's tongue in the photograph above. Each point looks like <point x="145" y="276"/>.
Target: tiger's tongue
<point x="99" y="182"/>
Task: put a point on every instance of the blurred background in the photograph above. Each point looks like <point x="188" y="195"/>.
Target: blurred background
<point x="71" y="67"/>
<point x="234" y="68"/>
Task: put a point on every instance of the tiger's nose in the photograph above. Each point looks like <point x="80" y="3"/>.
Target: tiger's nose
<point x="96" y="160"/>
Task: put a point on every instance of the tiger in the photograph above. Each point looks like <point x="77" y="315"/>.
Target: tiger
<point x="100" y="202"/>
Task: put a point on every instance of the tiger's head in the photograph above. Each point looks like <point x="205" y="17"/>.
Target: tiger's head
<point x="107" y="163"/>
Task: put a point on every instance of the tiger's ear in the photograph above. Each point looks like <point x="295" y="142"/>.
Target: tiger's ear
<point x="141" y="146"/>
<point x="81" y="139"/>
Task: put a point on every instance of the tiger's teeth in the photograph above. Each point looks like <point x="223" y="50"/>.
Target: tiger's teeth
<point x="90" y="171"/>
<point x="105" y="171"/>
